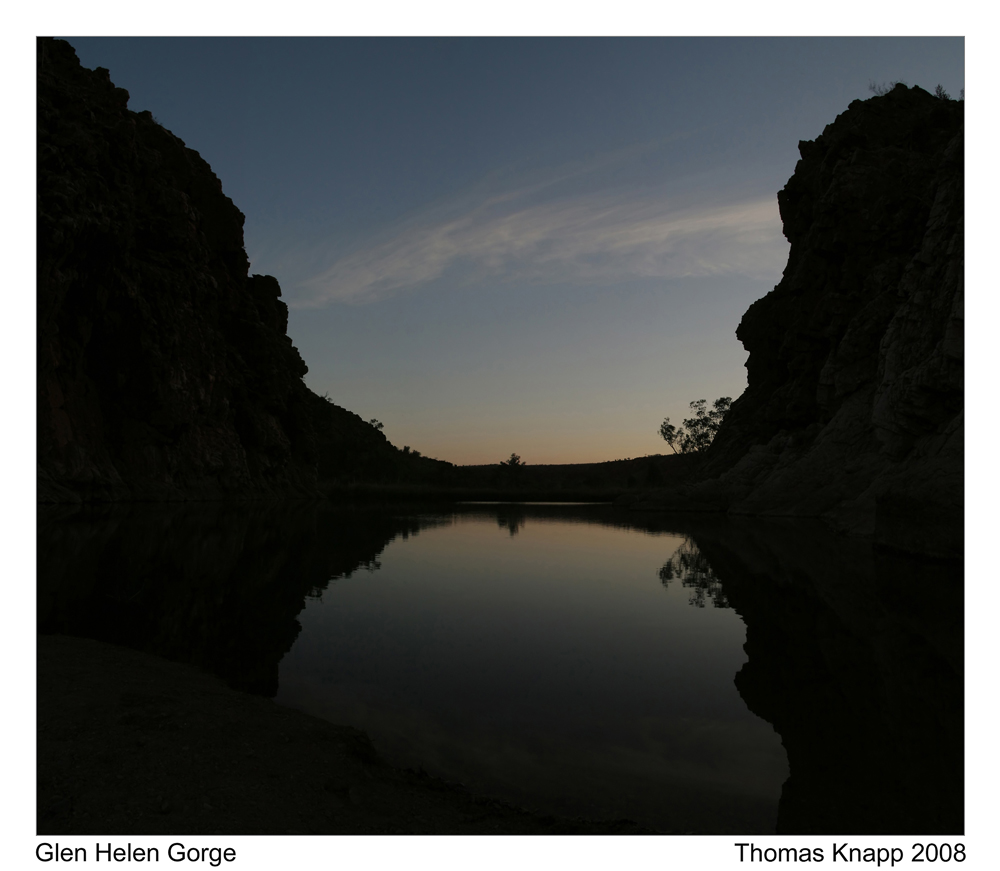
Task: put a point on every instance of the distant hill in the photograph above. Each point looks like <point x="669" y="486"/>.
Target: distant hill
<point x="611" y="476"/>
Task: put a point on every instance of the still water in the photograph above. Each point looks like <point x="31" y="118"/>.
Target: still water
<point x="543" y="660"/>
<point x="693" y="674"/>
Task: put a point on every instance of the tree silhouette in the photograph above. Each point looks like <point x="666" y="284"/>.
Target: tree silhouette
<point x="697" y="432"/>
<point x="883" y="89"/>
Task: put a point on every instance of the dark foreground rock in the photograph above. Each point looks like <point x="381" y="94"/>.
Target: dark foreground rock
<point x="164" y="370"/>
<point x="854" y="406"/>
<point x="132" y="744"/>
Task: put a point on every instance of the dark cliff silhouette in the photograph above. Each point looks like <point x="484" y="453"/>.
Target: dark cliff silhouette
<point x="164" y="370"/>
<point x="854" y="406"/>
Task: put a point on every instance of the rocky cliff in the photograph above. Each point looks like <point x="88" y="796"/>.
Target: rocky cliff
<point x="854" y="405"/>
<point x="164" y="370"/>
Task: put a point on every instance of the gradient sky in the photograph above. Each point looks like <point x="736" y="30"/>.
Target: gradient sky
<point x="532" y="245"/>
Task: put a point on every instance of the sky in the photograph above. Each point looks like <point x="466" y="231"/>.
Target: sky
<point x="531" y="245"/>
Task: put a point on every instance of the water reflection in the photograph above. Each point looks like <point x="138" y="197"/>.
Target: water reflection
<point x="511" y="518"/>
<point x="691" y="567"/>
<point x="855" y="657"/>
<point x="546" y="668"/>
<point x="214" y="584"/>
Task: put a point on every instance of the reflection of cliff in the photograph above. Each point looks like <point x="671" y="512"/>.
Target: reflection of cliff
<point x="163" y="368"/>
<point x="855" y="657"/>
<point x="215" y="584"/>
<point x="854" y="404"/>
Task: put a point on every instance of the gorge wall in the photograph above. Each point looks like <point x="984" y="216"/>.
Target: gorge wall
<point x="164" y="368"/>
<point x="165" y="371"/>
<point x="854" y="406"/>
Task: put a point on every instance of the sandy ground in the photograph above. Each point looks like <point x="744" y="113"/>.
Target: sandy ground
<point x="132" y="744"/>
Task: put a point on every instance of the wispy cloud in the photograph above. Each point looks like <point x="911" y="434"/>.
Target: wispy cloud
<point x="524" y="235"/>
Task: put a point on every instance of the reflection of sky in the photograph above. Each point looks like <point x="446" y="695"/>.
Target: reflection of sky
<point x="551" y="663"/>
<point x="541" y="246"/>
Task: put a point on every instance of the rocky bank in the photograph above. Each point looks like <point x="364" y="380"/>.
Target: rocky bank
<point x="854" y="406"/>
<point x="164" y="368"/>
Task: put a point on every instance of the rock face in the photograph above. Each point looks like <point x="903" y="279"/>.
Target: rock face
<point x="164" y="370"/>
<point x="854" y="405"/>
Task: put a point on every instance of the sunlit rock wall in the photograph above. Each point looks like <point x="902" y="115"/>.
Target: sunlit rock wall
<point x="854" y="404"/>
<point x="164" y="370"/>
